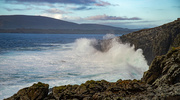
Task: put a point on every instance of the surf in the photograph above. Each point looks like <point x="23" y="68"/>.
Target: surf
<point x="70" y="63"/>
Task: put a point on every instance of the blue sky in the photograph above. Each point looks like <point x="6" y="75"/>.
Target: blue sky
<point x="119" y="13"/>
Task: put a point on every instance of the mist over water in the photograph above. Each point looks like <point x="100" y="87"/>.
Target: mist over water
<point x="120" y="58"/>
<point x="70" y="63"/>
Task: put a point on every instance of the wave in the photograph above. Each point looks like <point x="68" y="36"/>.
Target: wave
<point x="71" y="63"/>
<point x="113" y="52"/>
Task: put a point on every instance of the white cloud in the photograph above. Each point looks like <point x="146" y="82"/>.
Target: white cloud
<point x="56" y="16"/>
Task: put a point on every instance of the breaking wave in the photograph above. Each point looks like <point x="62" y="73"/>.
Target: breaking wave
<point x="71" y="63"/>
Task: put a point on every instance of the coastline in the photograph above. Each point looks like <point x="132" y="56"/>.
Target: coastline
<point x="161" y="81"/>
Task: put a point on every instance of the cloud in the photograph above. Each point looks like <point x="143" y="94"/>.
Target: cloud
<point x="176" y="6"/>
<point x="17" y="9"/>
<point x="56" y="16"/>
<point x="102" y="3"/>
<point x="131" y="24"/>
<point x="99" y="18"/>
<point x="78" y="2"/>
<point x="55" y="11"/>
<point x="81" y="8"/>
<point x="106" y="17"/>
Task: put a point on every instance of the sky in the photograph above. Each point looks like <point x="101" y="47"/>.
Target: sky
<point x="119" y="13"/>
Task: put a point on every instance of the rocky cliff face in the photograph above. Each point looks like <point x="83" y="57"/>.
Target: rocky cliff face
<point x="160" y="82"/>
<point x="164" y="69"/>
<point x="155" y="41"/>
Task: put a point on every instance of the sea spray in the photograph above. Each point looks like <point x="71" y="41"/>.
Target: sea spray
<point x="70" y="63"/>
<point x="117" y="54"/>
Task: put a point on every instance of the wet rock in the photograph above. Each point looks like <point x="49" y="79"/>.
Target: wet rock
<point x="164" y="69"/>
<point x="36" y="92"/>
<point x="155" y="41"/>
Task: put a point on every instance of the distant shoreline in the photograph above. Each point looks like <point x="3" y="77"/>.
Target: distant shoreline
<point x="40" y="24"/>
<point x="64" y="31"/>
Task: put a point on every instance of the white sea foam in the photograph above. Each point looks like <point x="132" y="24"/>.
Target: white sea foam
<point x="72" y="63"/>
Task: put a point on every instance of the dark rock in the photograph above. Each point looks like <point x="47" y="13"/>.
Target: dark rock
<point x="164" y="69"/>
<point x="98" y="90"/>
<point x="104" y="45"/>
<point x="155" y="41"/>
<point x="36" y="92"/>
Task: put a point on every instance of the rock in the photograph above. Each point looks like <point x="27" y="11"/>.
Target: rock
<point x="65" y="92"/>
<point x="98" y="90"/>
<point x="164" y="69"/>
<point x="155" y="41"/>
<point x="36" y="92"/>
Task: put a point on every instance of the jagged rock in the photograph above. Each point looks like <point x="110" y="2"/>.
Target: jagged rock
<point x="99" y="90"/>
<point x="165" y="92"/>
<point x="155" y="41"/>
<point x="36" y="92"/>
<point x="164" y="69"/>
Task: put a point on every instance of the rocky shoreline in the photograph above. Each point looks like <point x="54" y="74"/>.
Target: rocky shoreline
<point x="155" y="41"/>
<point x="160" y="82"/>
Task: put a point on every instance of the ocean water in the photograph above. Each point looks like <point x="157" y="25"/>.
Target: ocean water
<point x="61" y="59"/>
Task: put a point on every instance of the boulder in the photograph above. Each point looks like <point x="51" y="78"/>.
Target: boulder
<point x="35" y="92"/>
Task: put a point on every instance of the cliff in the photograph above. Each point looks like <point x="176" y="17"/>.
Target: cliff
<point x="164" y="69"/>
<point x="155" y="41"/>
<point x="161" y="81"/>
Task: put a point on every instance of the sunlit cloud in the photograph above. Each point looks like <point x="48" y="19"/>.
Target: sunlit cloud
<point x="100" y="18"/>
<point x="102" y="3"/>
<point x="56" y="16"/>
<point x="106" y="17"/>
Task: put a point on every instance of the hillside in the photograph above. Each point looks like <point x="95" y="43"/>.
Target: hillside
<point x="33" y="22"/>
<point x="40" y="24"/>
<point x="155" y="41"/>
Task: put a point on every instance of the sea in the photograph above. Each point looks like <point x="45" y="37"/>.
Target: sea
<point x="61" y="59"/>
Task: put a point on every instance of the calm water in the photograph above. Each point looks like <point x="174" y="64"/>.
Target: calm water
<point x="36" y="42"/>
<point x="59" y="59"/>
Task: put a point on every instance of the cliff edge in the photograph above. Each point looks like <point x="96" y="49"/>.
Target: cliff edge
<point x="155" y="41"/>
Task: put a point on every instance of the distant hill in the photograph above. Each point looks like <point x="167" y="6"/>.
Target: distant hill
<point x="155" y="41"/>
<point x="40" y="24"/>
